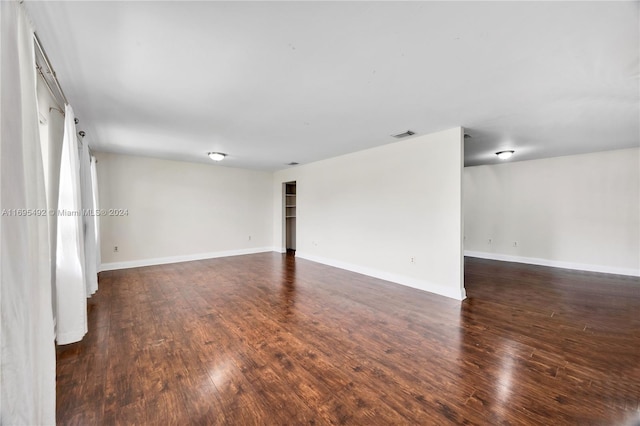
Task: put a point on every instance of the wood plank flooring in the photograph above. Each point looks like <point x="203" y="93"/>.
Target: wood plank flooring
<point x="268" y="339"/>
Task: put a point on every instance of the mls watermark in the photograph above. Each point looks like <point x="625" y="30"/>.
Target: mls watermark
<point x="65" y="212"/>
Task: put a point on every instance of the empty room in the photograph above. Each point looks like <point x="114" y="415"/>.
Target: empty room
<point x="319" y="212"/>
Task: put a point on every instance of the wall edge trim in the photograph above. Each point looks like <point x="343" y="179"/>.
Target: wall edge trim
<point x="554" y="263"/>
<point x="112" y="266"/>
<point x="387" y="276"/>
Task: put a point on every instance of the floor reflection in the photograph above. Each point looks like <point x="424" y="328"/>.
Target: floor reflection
<point x="288" y="288"/>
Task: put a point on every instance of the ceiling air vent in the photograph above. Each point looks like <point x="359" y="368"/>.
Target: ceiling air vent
<point x="293" y="163"/>
<point x="404" y="135"/>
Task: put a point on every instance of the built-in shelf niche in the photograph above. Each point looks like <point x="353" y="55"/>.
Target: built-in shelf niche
<point x="290" y="214"/>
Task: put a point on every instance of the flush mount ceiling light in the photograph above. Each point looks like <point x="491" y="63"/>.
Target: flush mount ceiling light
<point x="216" y="156"/>
<point x="503" y="155"/>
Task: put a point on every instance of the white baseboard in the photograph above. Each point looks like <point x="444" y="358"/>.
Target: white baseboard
<point x="177" y="259"/>
<point x="554" y="263"/>
<point x="452" y="293"/>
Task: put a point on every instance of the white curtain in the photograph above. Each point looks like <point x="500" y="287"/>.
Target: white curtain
<point x="27" y="366"/>
<point x="71" y="294"/>
<point x="89" y="224"/>
<point x="51" y="134"/>
<point x="96" y="207"/>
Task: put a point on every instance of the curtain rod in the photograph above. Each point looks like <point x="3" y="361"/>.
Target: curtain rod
<point x="55" y="80"/>
<point x="53" y="95"/>
<point x="46" y="61"/>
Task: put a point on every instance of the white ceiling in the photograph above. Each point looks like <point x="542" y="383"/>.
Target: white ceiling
<point x="274" y="82"/>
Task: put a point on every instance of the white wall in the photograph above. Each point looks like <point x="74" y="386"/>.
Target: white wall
<point x="374" y="210"/>
<point x="579" y="212"/>
<point x="181" y="211"/>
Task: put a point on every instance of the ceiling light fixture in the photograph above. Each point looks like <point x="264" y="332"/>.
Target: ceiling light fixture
<point x="504" y="155"/>
<point x="216" y="156"/>
<point x="404" y="134"/>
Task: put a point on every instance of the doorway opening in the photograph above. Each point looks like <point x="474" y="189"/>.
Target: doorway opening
<point x="290" y="216"/>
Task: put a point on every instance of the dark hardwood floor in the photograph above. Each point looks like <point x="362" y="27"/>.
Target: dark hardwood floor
<point x="268" y="339"/>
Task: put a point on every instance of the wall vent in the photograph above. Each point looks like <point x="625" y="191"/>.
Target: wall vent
<point x="404" y="134"/>
<point x="293" y="163"/>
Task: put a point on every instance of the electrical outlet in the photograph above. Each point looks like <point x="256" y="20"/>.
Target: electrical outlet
<point x="489" y="241"/>
<point x="249" y="237"/>
<point x="515" y="244"/>
<point x="115" y="249"/>
<point x="413" y="260"/>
